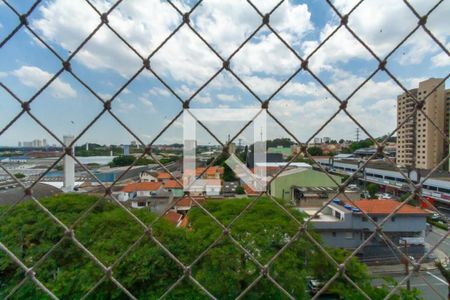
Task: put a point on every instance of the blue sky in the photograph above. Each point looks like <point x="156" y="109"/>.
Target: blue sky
<point x="185" y="63"/>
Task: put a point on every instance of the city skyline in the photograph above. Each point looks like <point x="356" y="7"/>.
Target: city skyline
<point x="147" y="106"/>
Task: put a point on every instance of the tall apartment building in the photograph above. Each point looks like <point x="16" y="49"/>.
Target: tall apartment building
<point x="447" y="125"/>
<point x="419" y="143"/>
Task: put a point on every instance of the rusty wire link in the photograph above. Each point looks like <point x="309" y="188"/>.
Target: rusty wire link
<point x="227" y="233"/>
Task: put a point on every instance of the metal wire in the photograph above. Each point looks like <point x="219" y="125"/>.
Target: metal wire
<point x="303" y="230"/>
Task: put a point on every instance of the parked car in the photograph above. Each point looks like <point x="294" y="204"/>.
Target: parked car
<point x="314" y="286"/>
<point x="438" y="218"/>
<point x="353" y="187"/>
<point x="384" y="196"/>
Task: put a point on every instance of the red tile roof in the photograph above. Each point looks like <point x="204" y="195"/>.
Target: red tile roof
<point x="249" y="191"/>
<point x="211" y="170"/>
<point x="141" y="186"/>
<point x="386" y="206"/>
<point x="185" y="201"/>
<point x="164" y="175"/>
<point x="184" y="222"/>
<point x="172" y="184"/>
<point x="173" y="217"/>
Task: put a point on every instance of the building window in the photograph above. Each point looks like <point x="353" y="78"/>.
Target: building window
<point x="141" y="204"/>
<point x="375" y="219"/>
<point x="333" y="233"/>
<point x="349" y="235"/>
<point x="364" y="218"/>
<point x="393" y="219"/>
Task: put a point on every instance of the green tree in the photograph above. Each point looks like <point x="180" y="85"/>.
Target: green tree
<point x="315" y="151"/>
<point x="126" y="160"/>
<point x="240" y="190"/>
<point x="147" y="271"/>
<point x="361" y="144"/>
<point x="373" y="189"/>
<point x="19" y="175"/>
<point x="284" y="142"/>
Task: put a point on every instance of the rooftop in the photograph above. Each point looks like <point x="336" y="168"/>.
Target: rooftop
<point x="185" y="201"/>
<point x="164" y="175"/>
<point x="173" y="217"/>
<point x="141" y="186"/>
<point x="387" y="206"/>
<point x="211" y="170"/>
<point x="321" y="217"/>
<point x="172" y="184"/>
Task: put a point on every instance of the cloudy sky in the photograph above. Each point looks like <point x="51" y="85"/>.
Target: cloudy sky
<point x="185" y="63"/>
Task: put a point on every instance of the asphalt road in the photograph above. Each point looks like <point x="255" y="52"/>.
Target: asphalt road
<point x="435" y="236"/>
<point x="430" y="283"/>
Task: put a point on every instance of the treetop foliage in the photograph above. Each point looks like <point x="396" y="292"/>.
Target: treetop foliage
<point x="147" y="271"/>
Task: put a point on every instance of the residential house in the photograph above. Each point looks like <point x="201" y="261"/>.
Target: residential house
<point x="213" y="187"/>
<point x="250" y="192"/>
<point x="213" y="172"/>
<point x="229" y="188"/>
<point x="164" y="176"/>
<point x="142" y="189"/>
<point x="146" y="176"/>
<point x="176" y="219"/>
<point x="206" y="187"/>
<point x="146" y="194"/>
<point x="183" y="205"/>
<point x="343" y="225"/>
<point x="174" y="187"/>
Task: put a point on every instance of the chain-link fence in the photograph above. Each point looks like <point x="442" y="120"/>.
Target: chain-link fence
<point x="302" y="231"/>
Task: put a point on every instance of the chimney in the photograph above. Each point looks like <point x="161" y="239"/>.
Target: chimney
<point x="69" y="166"/>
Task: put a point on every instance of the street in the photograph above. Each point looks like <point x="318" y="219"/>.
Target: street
<point x="430" y="283"/>
<point x="434" y="237"/>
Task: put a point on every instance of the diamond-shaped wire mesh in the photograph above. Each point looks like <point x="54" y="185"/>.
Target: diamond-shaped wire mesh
<point x="146" y="230"/>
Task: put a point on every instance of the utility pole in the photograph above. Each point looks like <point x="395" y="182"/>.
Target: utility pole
<point x="408" y="283"/>
<point x="357" y="134"/>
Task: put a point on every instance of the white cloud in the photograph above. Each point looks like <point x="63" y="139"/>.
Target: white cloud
<point x="35" y="77"/>
<point x="156" y="91"/>
<point x="382" y="27"/>
<point x="147" y="103"/>
<point x="186" y="63"/>
<point x="124" y="106"/>
<point x="204" y="99"/>
<point x="225" y="24"/>
<point x="227" y="97"/>
<point x="441" y="59"/>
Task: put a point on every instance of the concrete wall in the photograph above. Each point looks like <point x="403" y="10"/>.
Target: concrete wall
<point x="342" y="239"/>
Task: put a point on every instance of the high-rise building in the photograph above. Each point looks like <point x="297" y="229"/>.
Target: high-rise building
<point x="447" y="125"/>
<point x="419" y="143"/>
